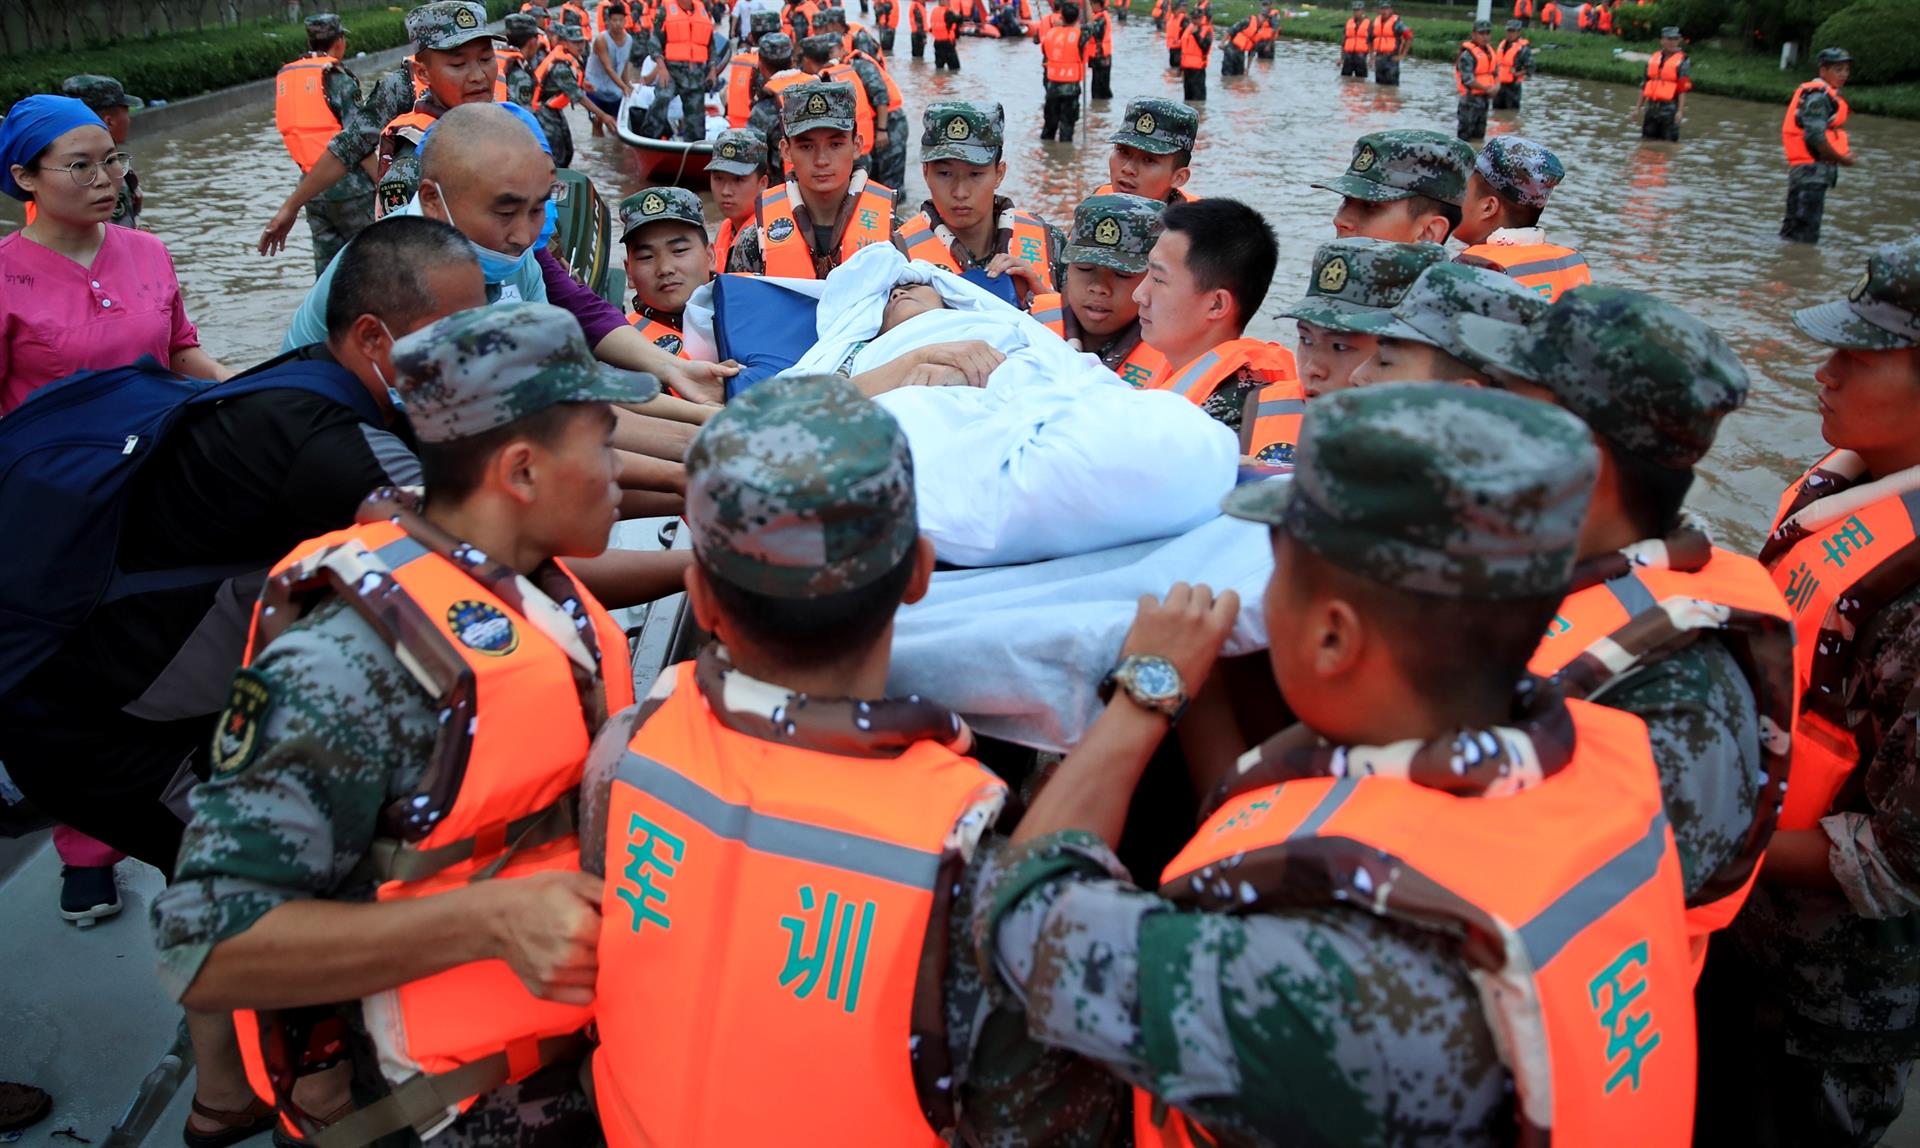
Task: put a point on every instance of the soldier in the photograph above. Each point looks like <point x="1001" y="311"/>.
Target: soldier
<point x="1812" y="1005"/>
<point x="1100" y="21"/>
<point x="776" y="74"/>
<point x="1715" y="689"/>
<point x="889" y="164"/>
<point x="1514" y="54"/>
<point x="559" y="84"/>
<point x="1309" y="934"/>
<point x="945" y="26"/>
<point x="1176" y="22"/>
<point x="1500" y="222"/>
<point x="682" y="47"/>
<point x="801" y="505"/>
<point x="1354" y="285"/>
<point x="737" y="173"/>
<point x="1814" y="134"/>
<point x="664" y="230"/>
<point x="453" y="57"/>
<point x="1267" y="29"/>
<point x="1357" y="42"/>
<point x="1403" y="186"/>
<point x="819" y="58"/>
<point x="313" y="96"/>
<point x="1104" y="260"/>
<point x="1420" y="340"/>
<point x="1240" y="41"/>
<point x="1664" y="94"/>
<point x="1476" y="76"/>
<point x="785" y="238"/>
<point x="1196" y="45"/>
<point x="917" y="17"/>
<point x="1153" y="151"/>
<point x="1391" y="41"/>
<point x="1065" y="50"/>
<point x="523" y="53"/>
<point x="111" y="103"/>
<point x="358" y="791"/>
<point x="886" y="17"/>
<point x="965" y="224"/>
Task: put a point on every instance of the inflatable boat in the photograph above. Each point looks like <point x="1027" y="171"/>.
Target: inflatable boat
<point x="681" y="163"/>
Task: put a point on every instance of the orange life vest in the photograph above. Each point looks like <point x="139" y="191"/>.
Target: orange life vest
<point x="740" y="73"/>
<point x="1794" y="138"/>
<point x="886" y="14"/>
<point x="1136" y="370"/>
<point x="514" y="778"/>
<point x="409" y="126"/>
<point x="788" y="253"/>
<point x="895" y="103"/>
<point x="863" y="120"/>
<point x="1583" y="19"/>
<point x="917" y="17"/>
<point x="1196" y="44"/>
<point x="1568" y="893"/>
<point x="1727" y="580"/>
<point x="1270" y="424"/>
<point x="721" y="846"/>
<point x="300" y="111"/>
<point x="570" y="13"/>
<point x="1386" y="34"/>
<point x="1663" y="77"/>
<point x="1200" y="378"/>
<point x="1060" y="48"/>
<point x="1245" y="38"/>
<point x="659" y="334"/>
<point x="1359" y="36"/>
<point x="1507" y="53"/>
<point x="1835" y="578"/>
<point x="1486" y="69"/>
<point x="1176" y="23"/>
<point x="1103" y="44"/>
<point x="1550" y="16"/>
<point x="557" y="100"/>
<point x="1523" y="9"/>
<point x="937" y="17"/>
<point x="1177" y="195"/>
<point x="1026" y="241"/>
<point x="1549" y="269"/>
<point x="1603" y="19"/>
<point x="689" y="34"/>
<point x="723" y="243"/>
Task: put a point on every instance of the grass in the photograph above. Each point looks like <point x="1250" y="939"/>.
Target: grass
<point x="1716" y="70"/>
<point x="189" y="63"/>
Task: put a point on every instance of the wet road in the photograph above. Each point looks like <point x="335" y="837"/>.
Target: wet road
<point x="1694" y="221"/>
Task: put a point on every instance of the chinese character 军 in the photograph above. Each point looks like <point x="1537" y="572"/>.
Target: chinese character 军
<point x="1853" y="535"/>
<point x="832" y="927"/>
<point x="1623" y="1032"/>
<point x="646" y="899"/>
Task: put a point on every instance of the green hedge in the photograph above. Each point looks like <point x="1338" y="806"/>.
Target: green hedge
<point x="1884" y="37"/>
<point x="174" y="67"/>
<point x="1696" y="19"/>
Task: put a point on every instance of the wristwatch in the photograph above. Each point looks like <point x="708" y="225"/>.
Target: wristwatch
<point x="1151" y="681"/>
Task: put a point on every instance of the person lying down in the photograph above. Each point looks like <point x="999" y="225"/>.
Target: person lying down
<point x="1024" y="448"/>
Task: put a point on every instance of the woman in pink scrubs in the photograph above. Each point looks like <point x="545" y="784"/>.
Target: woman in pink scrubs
<point x="75" y="292"/>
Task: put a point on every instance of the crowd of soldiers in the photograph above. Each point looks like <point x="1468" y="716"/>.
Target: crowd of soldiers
<point x="1540" y="817"/>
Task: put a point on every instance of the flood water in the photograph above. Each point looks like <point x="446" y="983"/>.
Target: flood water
<point x="1694" y="221"/>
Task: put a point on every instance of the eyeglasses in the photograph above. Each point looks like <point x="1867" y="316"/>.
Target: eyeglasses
<point x="86" y="172"/>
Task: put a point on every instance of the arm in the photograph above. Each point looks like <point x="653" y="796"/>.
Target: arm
<point x="196" y="363"/>
<point x="1816" y="110"/>
<point x="622" y="578"/>
<point x="616" y="343"/>
<point x="662" y="439"/>
<point x="965" y="364"/>
<point x="351" y="147"/>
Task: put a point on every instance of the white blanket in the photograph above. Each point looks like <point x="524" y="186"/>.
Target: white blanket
<point x="1055" y="456"/>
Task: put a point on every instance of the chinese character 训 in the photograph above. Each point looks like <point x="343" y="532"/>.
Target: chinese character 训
<point x="832" y="928"/>
<point x="1801" y="585"/>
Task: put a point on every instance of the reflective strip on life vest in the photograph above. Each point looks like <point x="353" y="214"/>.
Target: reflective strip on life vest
<point x="1548" y="269"/>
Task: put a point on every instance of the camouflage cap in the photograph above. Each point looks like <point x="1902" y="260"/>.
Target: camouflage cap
<point x="776" y="46"/>
<point x="1881" y="313"/>
<point x="1670" y="32"/>
<point x="801" y="487"/>
<point x="572" y="33"/>
<point x="1356" y="280"/>
<point x="99" y="92"/>
<point x="1519" y="170"/>
<point x="970" y="133"/>
<point x="739" y="151"/>
<point x="660" y="205"/>
<point x="1516" y="25"/>
<point x="761" y="23"/>
<point x="1649" y="378"/>
<point x="1359" y="5"/>
<point x="1157" y="126"/>
<point x="480" y="369"/>
<point x="1458" y="492"/>
<point x="446" y="24"/>
<point x="521" y="24"/>
<point x="821" y="46"/>
<point x="325" y="24"/>
<point x="1402" y="164"/>
<point x="1830" y="56"/>
<point x="1114" y="231"/>
<point x="1483" y="26"/>
<point x="1430" y="312"/>
<point x="817" y="105"/>
<point x="837" y="17"/>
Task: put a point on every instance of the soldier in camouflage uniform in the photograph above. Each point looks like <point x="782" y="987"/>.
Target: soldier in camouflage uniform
<point x="1102" y="262"/>
<point x="1353" y="286"/>
<point x="446" y="26"/>
<point x="1662" y="119"/>
<point x="1470" y="110"/>
<point x="890" y="157"/>
<point x="821" y="55"/>
<point x="1061" y="107"/>
<point x="562" y="86"/>
<point x="344" y="210"/>
<point x="523" y="36"/>
<point x="1419" y="339"/>
<point x="776" y="57"/>
<point x="832" y="110"/>
<point x="800" y="498"/>
<point x="687" y="79"/>
<point x="957" y="141"/>
<point x="1153" y="150"/>
<point x="1653" y="383"/>
<point x="329" y="738"/>
<point x="664" y="230"/>
<point x="1811" y="1014"/>
<point x="1403" y="186"/>
<point x="113" y="105"/>
<point x="1508" y="97"/>
<point x="1286" y="1012"/>
<point x="1816" y="112"/>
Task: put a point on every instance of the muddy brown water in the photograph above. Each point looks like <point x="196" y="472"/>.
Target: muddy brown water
<point x="1694" y="221"/>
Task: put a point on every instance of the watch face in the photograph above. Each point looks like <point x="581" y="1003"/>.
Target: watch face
<point x="1156" y="678"/>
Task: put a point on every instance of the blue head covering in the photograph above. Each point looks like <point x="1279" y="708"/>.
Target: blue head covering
<point x="539" y="137"/>
<point x="31" y="125"/>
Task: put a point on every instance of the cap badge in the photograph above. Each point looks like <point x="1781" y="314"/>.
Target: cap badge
<point x="1107" y="232"/>
<point x="653" y="204"/>
<point x="1860" y="288"/>
<point x="729" y="150"/>
<point x="463" y="18"/>
<point x="817" y="105"/>
<point x="1144" y="125"/>
<point x="957" y="128"/>
<point x="1364" y="159"/>
<point x="1333" y="275"/>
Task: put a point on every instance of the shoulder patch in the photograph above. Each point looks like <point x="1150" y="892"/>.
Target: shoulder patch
<point x="249" y="700"/>
<point x="481" y="627"/>
<point x="779" y="229"/>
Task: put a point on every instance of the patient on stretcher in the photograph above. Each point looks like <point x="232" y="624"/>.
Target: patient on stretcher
<point x="956" y="363"/>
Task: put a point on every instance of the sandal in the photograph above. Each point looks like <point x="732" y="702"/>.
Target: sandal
<point x="22" y="1105"/>
<point x="234" y="1127"/>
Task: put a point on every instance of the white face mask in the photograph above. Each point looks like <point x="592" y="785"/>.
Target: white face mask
<point x="496" y="268"/>
<point x="393" y="396"/>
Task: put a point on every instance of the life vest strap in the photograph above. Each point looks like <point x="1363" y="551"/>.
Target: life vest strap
<point x="390" y="859"/>
<point x="421" y="1102"/>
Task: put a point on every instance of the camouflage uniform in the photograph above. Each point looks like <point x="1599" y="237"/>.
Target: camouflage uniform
<point x="1654" y="382"/>
<point x="688" y="80"/>
<point x="303" y="784"/>
<point x="1114" y="231"/>
<point x="1817" y="1001"/>
<point x="1661" y="120"/>
<point x="522" y="30"/>
<point x="803" y="488"/>
<point x="973" y="133"/>
<point x="1233" y="62"/>
<point x="1402" y="164"/>
<point x="441" y="27"/>
<point x="1321" y="1024"/>
<point x="747" y="256"/>
<point x="1509" y="94"/>
<point x="1470" y="110"/>
<point x="103" y="93"/>
<point x="775" y="48"/>
<point x="1386" y="65"/>
<point x="563" y="80"/>
<point x="1355" y="63"/>
<point x="1100" y="68"/>
<point x="1807" y="183"/>
<point x="344" y="210"/>
<point x="890" y="159"/>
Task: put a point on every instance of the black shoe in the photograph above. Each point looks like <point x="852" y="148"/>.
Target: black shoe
<point x="88" y="893"/>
